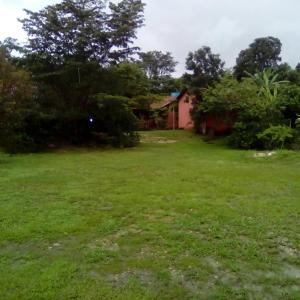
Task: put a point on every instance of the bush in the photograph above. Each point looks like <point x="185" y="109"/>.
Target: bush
<point x="259" y="118"/>
<point x="276" y="136"/>
<point x="289" y="102"/>
<point x="113" y="117"/>
<point x="107" y="120"/>
<point x="244" y="135"/>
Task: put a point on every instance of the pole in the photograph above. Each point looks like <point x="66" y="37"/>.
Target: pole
<point x="173" y="117"/>
<point x="79" y="79"/>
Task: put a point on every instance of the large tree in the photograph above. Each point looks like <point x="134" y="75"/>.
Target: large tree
<point x="70" y="44"/>
<point x="261" y="54"/>
<point x="71" y="49"/>
<point x="206" y="68"/>
<point x="158" y="66"/>
<point x="84" y="30"/>
<point x="157" y="63"/>
<point x="126" y="79"/>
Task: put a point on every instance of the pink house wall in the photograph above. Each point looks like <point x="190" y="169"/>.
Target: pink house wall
<point x="172" y="122"/>
<point x="185" y="105"/>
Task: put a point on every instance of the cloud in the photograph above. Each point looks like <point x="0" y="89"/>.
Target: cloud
<point x="227" y="26"/>
<point x="11" y="10"/>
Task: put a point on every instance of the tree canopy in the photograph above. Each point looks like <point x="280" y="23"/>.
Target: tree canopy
<point x="206" y="68"/>
<point x="261" y="54"/>
<point x="72" y="44"/>
<point x="157" y="63"/>
<point x="84" y="30"/>
<point x="159" y="67"/>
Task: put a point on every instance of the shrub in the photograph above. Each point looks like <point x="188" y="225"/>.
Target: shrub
<point x="244" y="135"/>
<point x="113" y="117"/>
<point x="276" y="136"/>
<point x="289" y="102"/>
<point x="16" y="103"/>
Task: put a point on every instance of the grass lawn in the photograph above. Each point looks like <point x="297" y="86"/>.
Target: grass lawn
<point x="174" y="218"/>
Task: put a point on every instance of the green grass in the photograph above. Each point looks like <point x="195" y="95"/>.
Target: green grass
<point x="182" y="220"/>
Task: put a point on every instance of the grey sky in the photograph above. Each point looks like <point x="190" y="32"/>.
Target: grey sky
<point x="180" y="26"/>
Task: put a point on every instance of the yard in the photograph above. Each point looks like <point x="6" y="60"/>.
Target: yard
<point x="175" y="218"/>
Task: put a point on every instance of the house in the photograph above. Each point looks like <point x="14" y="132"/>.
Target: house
<point x="174" y="112"/>
<point x="211" y="124"/>
<point x="179" y="111"/>
<point x="185" y="106"/>
<point x="158" y="115"/>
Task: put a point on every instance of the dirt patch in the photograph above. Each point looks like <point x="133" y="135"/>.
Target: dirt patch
<point x="287" y="251"/>
<point x="291" y="271"/>
<point x="143" y="276"/>
<point x="264" y="154"/>
<point x="104" y="244"/>
<point x="180" y="278"/>
<point x="157" y="140"/>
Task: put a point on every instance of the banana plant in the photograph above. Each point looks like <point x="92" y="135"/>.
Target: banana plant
<point x="268" y="83"/>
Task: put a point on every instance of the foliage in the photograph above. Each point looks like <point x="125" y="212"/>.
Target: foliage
<point x="115" y="119"/>
<point x="262" y="53"/>
<point x="253" y="119"/>
<point x="72" y="43"/>
<point x="268" y="84"/>
<point x="16" y="102"/>
<point x="10" y="45"/>
<point x="246" y="107"/>
<point x="228" y="95"/>
<point x="298" y="122"/>
<point x="276" y="136"/>
<point x="158" y="66"/>
<point x="126" y="79"/>
<point x="75" y="50"/>
<point x="206" y="68"/>
<point x="84" y="30"/>
<point x="144" y="102"/>
<point x="289" y="102"/>
<point x="285" y="72"/>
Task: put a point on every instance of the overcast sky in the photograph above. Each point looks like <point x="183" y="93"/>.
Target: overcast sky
<point x="180" y="26"/>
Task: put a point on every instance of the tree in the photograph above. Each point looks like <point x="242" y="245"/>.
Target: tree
<point x="244" y="105"/>
<point x="71" y="49"/>
<point x="229" y="96"/>
<point x="15" y="87"/>
<point x="262" y="53"/>
<point x="84" y="30"/>
<point x="289" y="102"/>
<point x="158" y="66"/>
<point x="114" y="120"/>
<point x="126" y="79"/>
<point x="71" y="43"/>
<point x="16" y="104"/>
<point x="8" y="45"/>
<point x="206" y="68"/>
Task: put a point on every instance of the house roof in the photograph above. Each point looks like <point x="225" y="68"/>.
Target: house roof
<point x="182" y="94"/>
<point x="164" y="103"/>
<point x="168" y="100"/>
